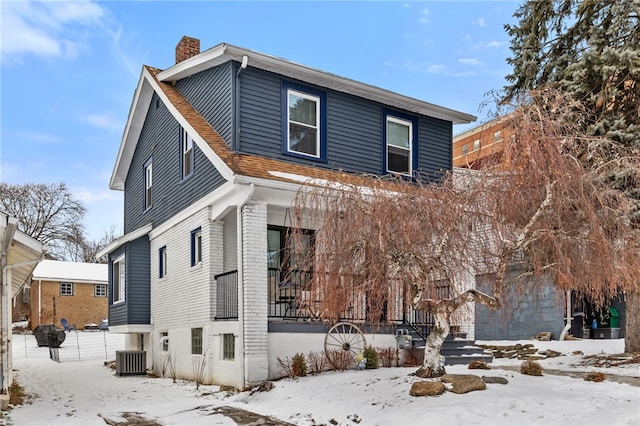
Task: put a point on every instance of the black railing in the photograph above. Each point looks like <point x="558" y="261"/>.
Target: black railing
<point x="227" y="295"/>
<point x="289" y="293"/>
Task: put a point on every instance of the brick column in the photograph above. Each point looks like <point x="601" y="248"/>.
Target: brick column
<point x="254" y="267"/>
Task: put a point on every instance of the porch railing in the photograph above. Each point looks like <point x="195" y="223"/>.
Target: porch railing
<point x="291" y="298"/>
<point x="227" y="295"/>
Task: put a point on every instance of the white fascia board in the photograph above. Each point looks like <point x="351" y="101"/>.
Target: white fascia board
<point x="131" y="329"/>
<point x="137" y="115"/>
<point x="218" y="200"/>
<point x="30" y="243"/>
<point x="135" y="120"/>
<point x="267" y="183"/>
<point x="225" y="52"/>
<point x="218" y="163"/>
<point x="118" y="242"/>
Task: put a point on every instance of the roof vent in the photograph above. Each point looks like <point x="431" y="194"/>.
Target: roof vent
<point x="186" y="48"/>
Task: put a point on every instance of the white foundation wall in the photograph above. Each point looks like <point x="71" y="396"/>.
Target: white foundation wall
<point x="286" y="345"/>
<point x="178" y="360"/>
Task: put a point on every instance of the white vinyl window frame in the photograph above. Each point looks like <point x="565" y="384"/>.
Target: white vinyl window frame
<point x="316" y="127"/>
<point x="119" y="276"/>
<point x="390" y="147"/>
<point x="196" y="246"/>
<point x="148" y="185"/>
<point x="186" y="152"/>
<point x="162" y="262"/>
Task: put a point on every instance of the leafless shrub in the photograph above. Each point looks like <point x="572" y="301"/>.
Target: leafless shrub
<point x="168" y="366"/>
<point x="293" y="367"/>
<point x="388" y="356"/>
<point x="199" y="368"/>
<point x="316" y="362"/>
<point x="412" y="357"/>
<point x="340" y="360"/>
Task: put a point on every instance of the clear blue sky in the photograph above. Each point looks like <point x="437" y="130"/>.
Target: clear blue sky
<point x="69" y="69"/>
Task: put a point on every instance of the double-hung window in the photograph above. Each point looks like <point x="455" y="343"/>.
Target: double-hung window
<point x="162" y="262"/>
<point x="148" y="184"/>
<point x="196" y="246"/>
<point x="186" y="154"/>
<point x="66" y="289"/>
<point x="119" y="279"/>
<point x="399" y="145"/>
<point x="304" y="122"/>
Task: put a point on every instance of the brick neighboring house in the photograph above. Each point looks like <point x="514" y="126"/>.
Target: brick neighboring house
<point x="72" y="290"/>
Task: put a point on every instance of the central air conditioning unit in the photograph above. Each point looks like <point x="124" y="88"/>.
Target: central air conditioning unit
<point x="129" y="363"/>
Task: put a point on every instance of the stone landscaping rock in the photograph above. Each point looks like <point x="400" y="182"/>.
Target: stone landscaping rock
<point x="467" y="385"/>
<point x="494" y="379"/>
<point x="450" y="378"/>
<point x="424" y="388"/>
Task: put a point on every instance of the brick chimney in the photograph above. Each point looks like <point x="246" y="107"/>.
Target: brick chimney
<point x="186" y="48"/>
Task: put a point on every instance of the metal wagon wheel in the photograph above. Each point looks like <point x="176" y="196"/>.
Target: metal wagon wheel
<point x="342" y="344"/>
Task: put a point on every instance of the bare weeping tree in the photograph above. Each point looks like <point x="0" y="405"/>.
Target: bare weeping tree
<point x="538" y="211"/>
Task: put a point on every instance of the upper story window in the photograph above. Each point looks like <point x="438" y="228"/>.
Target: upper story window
<point x="66" y="289"/>
<point x="119" y="279"/>
<point x="196" y="246"/>
<point x="186" y="154"/>
<point x="162" y="262"/>
<point x="304" y="122"/>
<point x="497" y="135"/>
<point x="148" y="184"/>
<point x="399" y="145"/>
<point x="476" y="144"/>
<point x="465" y="149"/>
<point x="100" y="290"/>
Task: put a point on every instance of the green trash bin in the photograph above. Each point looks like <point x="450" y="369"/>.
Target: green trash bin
<point x="614" y="322"/>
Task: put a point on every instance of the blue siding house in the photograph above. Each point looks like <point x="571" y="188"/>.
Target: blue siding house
<point x="213" y="152"/>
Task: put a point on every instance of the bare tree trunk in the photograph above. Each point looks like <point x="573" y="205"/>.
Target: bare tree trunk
<point x="632" y="333"/>
<point x="433" y="363"/>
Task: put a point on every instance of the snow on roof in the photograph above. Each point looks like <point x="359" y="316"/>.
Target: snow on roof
<point x="56" y="270"/>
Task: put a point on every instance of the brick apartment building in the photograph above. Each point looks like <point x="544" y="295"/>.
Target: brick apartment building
<point x="72" y="290"/>
<point x="473" y="145"/>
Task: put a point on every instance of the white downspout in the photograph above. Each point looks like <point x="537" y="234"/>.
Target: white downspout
<point x="568" y="326"/>
<point x="39" y="302"/>
<point x="240" y="254"/>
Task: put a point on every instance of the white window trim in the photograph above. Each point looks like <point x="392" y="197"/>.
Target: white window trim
<point x="196" y="247"/>
<point x="409" y="124"/>
<point x="148" y="185"/>
<point x="186" y="149"/>
<point x="122" y="280"/>
<point x="162" y="259"/>
<point x="315" y="99"/>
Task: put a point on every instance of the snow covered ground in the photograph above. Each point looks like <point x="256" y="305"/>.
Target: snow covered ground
<point x="80" y="390"/>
